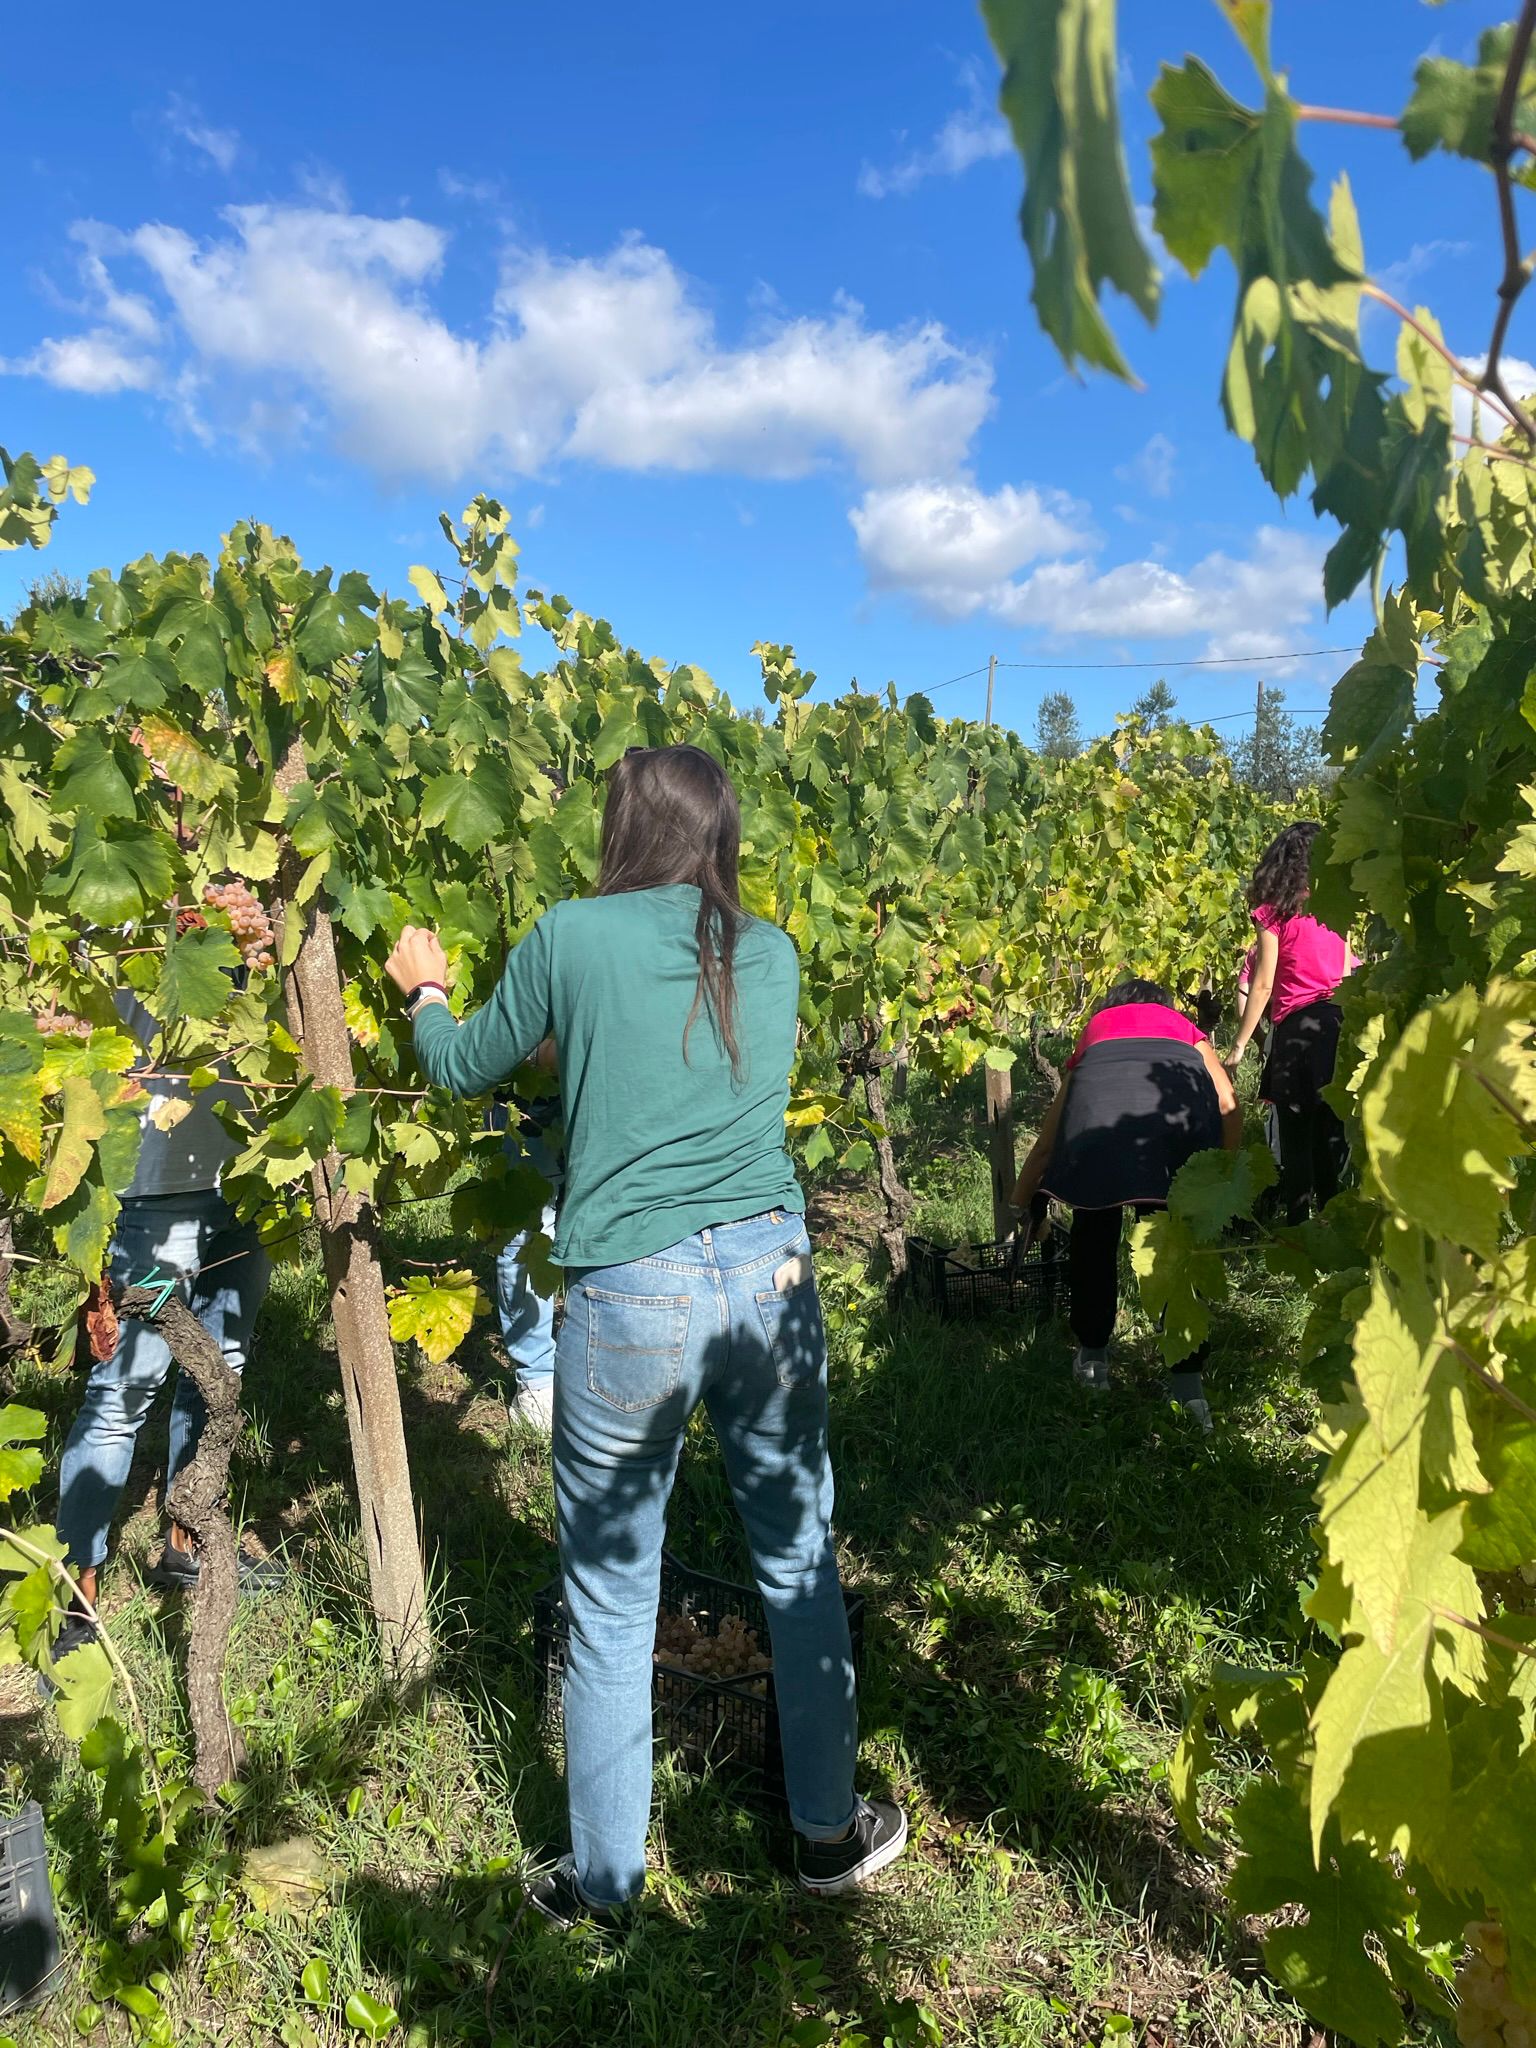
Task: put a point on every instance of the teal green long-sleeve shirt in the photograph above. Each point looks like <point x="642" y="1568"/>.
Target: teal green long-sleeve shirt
<point x="657" y="1146"/>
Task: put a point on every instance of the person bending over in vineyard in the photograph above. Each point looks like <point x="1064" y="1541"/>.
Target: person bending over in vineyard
<point x="174" y="1217"/>
<point x="1300" y="965"/>
<point x="688" y="1276"/>
<point x="1142" y="1093"/>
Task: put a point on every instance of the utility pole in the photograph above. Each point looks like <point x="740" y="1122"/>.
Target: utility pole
<point x="991" y="675"/>
<point x="1258" y="731"/>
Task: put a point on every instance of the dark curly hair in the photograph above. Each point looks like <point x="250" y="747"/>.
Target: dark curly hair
<point x="1134" y="990"/>
<point x="1281" y="878"/>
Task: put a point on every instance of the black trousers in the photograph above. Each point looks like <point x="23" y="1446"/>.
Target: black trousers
<point x="1314" y="1147"/>
<point x="1093" y="1279"/>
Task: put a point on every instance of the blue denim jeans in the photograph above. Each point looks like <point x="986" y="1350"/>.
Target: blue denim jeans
<point x="730" y="1318"/>
<point x="527" y="1320"/>
<point x="181" y="1234"/>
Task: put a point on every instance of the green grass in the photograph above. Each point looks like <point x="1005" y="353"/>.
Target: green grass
<point x="1044" y="1577"/>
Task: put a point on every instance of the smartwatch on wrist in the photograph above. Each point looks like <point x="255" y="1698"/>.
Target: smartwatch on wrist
<point x="414" y="996"/>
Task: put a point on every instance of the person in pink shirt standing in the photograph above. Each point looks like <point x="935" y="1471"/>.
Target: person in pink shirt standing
<point x="1298" y="970"/>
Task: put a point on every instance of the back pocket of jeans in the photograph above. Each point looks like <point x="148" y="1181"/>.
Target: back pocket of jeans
<point x="635" y="1346"/>
<point x="791" y="1315"/>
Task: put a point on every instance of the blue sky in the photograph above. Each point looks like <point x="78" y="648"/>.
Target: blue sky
<point x="729" y="307"/>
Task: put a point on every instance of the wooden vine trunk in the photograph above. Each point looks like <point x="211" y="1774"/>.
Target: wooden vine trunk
<point x="196" y="1501"/>
<point x="349" y="1236"/>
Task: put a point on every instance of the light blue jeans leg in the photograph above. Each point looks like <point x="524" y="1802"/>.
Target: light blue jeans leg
<point x="641" y="1345"/>
<point x="177" y="1233"/>
<point x="527" y="1320"/>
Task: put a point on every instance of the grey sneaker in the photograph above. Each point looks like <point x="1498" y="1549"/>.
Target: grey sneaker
<point x="1090" y="1368"/>
<point x="534" y="1407"/>
<point x="1199" y="1412"/>
<point x="877" y="1837"/>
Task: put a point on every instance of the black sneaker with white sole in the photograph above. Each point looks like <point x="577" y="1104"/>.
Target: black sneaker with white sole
<point x="178" y="1570"/>
<point x="555" y="1893"/>
<point x="878" y="1836"/>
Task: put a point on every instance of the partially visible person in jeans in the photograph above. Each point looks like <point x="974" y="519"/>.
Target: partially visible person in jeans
<point x="689" y="1280"/>
<point x="536" y="1138"/>
<point x="174" y="1217"/>
<point x="1142" y="1093"/>
<point x="1300" y="965"/>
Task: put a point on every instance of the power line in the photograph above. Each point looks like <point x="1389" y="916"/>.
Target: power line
<point x="1203" y="661"/>
<point x="928" y="692"/>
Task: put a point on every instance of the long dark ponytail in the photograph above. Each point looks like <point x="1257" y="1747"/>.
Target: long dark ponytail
<point x="672" y="816"/>
<point x="1282" y="878"/>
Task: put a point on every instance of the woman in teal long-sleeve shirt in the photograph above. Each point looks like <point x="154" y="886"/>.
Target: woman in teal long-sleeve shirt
<point x="688" y="1276"/>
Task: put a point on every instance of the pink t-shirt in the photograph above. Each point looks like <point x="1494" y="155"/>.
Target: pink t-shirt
<point x="1311" y="963"/>
<point x="1135" y="1020"/>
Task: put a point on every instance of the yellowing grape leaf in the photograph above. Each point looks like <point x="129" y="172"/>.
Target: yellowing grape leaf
<point x="84" y="1682"/>
<point x="84" y="1122"/>
<point x="437" y="1311"/>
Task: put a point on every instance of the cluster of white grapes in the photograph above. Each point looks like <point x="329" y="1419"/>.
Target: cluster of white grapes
<point x="248" y="922"/>
<point x="1489" y="2014"/>
<point x="731" y="1653"/>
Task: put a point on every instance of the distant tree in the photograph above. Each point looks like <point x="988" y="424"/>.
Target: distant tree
<point x="51" y="592"/>
<point x="1281" y="755"/>
<point x="1056" y="730"/>
<point x="1155" y="707"/>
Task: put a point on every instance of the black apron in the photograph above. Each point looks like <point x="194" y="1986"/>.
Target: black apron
<point x="1136" y="1109"/>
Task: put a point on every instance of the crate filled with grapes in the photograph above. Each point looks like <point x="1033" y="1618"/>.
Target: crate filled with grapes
<point x="713" y="1701"/>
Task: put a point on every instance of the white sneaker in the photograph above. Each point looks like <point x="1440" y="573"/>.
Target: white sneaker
<point x="534" y="1407"/>
<point x="1090" y="1368"/>
<point x="1199" y="1412"/>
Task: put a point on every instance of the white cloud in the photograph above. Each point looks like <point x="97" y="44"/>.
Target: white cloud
<point x="1519" y="377"/>
<point x="478" y="191"/>
<point x="971" y="135"/>
<point x="1243" y="604"/>
<point x="1152" y="468"/>
<point x="1423" y="256"/>
<point x="958" y="552"/>
<point x="954" y="547"/>
<point x="95" y="363"/>
<point x="614" y="359"/>
<point x="220" y="145"/>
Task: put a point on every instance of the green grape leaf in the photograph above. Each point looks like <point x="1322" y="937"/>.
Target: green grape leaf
<point x="112" y="876"/>
<point x="437" y="1311"/>
<point x="139" y="677"/>
<point x="428" y="587"/>
<point x="1453" y="104"/>
<point x="187" y="764"/>
<point x="1060" y="94"/>
<point x="84" y="1122"/>
<point x="195" y="978"/>
<point x="1179" y="1278"/>
<point x="1348" y="1898"/>
<point x="1214" y="1188"/>
<point x="475" y="810"/>
<point x="84" y="1682"/>
<point x="1382" y="1766"/>
<point x="88" y="776"/>
<point x="1440" y="1120"/>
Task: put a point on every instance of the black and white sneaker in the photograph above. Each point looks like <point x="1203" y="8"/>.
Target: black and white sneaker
<point x="178" y="1570"/>
<point x="878" y="1837"/>
<point x="555" y="1893"/>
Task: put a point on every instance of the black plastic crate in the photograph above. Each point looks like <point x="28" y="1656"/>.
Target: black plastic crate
<point x="962" y="1283"/>
<point x="730" y="1725"/>
<point x="29" y="1931"/>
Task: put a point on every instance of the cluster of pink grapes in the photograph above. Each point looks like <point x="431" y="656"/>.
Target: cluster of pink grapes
<point x="248" y="922"/>
<point x="56" y="1023"/>
<point x="1490" y="2015"/>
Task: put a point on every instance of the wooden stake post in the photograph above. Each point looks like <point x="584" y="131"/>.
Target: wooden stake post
<point x="349" y="1233"/>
